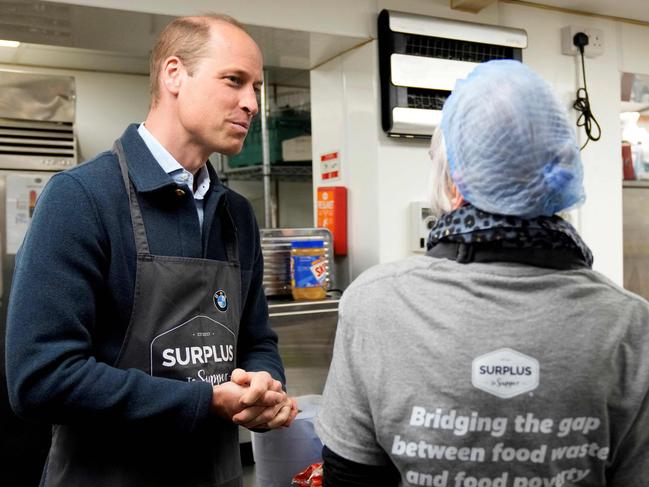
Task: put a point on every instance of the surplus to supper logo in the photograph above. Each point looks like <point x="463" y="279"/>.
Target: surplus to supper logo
<point x="505" y="373"/>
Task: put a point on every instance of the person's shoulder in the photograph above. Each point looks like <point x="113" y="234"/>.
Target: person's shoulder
<point x="379" y="278"/>
<point x="103" y="162"/>
<point x="97" y="175"/>
<point x="369" y="295"/>
<point x="616" y="293"/>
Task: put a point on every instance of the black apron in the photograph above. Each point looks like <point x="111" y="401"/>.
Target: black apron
<point x="184" y="326"/>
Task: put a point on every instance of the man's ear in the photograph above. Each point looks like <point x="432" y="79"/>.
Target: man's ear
<point x="172" y="74"/>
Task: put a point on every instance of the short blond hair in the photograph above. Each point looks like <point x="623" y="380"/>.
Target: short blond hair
<point x="187" y="38"/>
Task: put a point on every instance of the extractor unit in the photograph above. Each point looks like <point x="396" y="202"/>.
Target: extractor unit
<point x="37" y="115"/>
<point x="420" y="59"/>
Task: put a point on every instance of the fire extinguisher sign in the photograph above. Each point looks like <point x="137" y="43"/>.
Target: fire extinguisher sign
<point x="330" y="166"/>
<point x="332" y="214"/>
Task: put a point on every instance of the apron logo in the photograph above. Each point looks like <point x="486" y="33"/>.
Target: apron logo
<point x="220" y="300"/>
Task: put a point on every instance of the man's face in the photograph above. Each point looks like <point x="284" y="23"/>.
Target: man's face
<point x="216" y="104"/>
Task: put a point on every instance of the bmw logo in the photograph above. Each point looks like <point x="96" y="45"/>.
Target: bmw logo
<point x="220" y="300"/>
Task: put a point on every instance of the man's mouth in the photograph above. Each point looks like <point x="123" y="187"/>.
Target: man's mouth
<point x="243" y="124"/>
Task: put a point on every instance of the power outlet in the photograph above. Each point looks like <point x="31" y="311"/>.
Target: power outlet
<point x="422" y="220"/>
<point x="595" y="45"/>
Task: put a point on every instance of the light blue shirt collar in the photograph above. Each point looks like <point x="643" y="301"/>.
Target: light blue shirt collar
<point x="178" y="173"/>
<point x="172" y="167"/>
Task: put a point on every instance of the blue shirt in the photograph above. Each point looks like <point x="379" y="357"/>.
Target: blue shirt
<point x="177" y="172"/>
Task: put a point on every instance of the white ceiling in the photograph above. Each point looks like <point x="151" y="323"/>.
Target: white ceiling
<point x="627" y="9"/>
<point x="77" y="37"/>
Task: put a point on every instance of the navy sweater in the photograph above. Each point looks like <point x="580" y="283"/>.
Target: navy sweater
<point x="73" y="286"/>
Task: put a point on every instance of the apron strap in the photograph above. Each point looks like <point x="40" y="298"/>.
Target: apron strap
<point x="560" y="259"/>
<point x="139" y="231"/>
<point x="231" y="240"/>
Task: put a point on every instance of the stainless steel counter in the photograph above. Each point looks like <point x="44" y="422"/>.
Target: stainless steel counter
<point x="306" y="331"/>
<point x="636" y="237"/>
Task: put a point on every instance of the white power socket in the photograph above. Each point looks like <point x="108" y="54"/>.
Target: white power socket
<point x="595" y="46"/>
<point x="421" y="222"/>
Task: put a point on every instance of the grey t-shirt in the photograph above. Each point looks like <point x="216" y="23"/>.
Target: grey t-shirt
<point x="491" y="375"/>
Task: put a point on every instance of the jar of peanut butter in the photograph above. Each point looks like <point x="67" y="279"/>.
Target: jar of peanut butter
<point x="308" y="269"/>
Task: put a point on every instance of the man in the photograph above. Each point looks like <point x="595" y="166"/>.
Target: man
<point x="138" y="287"/>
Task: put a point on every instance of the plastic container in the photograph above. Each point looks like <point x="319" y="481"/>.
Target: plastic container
<point x="308" y="269"/>
<point x="280" y="128"/>
<point x="282" y="453"/>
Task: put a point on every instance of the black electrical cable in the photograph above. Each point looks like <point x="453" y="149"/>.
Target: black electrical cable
<point x="586" y="118"/>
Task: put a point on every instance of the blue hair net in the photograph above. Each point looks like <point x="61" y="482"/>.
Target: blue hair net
<point x="510" y="147"/>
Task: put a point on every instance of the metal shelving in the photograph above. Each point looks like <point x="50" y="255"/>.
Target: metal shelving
<point x="283" y="172"/>
<point x="635" y="183"/>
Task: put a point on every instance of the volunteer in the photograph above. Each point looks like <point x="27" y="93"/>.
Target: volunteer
<point x="138" y="288"/>
<point x="500" y="358"/>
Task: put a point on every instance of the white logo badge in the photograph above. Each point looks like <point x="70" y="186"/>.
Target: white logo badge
<point x="505" y="373"/>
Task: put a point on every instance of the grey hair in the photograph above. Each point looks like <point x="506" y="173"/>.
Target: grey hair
<point x="440" y="184"/>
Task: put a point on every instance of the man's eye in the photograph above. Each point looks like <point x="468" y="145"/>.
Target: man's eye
<point x="234" y="79"/>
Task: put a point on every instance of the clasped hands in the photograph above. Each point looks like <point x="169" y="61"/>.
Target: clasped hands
<point x="253" y="400"/>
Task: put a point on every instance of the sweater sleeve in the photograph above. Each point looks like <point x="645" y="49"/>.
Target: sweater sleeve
<point x="53" y="374"/>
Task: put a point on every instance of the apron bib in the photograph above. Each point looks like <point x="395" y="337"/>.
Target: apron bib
<point x="184" y="326"/>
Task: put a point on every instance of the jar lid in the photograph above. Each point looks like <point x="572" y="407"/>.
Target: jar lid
<point x="307" y="244"/>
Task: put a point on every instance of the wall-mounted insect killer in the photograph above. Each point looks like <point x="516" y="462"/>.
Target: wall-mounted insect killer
<point x="421" y="57"/>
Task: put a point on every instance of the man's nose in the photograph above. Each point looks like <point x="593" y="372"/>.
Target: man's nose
<point x="249" y="101"/>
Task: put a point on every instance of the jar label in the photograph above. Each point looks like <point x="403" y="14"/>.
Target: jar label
<point x="309" y="271"/>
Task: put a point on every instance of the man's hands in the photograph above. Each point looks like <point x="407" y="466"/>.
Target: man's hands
<point x="253" y="400"/>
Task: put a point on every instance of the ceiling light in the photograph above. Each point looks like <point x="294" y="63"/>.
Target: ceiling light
<point x="4" y="43"/>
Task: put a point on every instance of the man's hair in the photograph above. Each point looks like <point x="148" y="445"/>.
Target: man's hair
<point x="186" y="38"/>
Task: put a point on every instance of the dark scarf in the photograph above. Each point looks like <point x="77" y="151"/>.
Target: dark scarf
<point x="470" y="225"/>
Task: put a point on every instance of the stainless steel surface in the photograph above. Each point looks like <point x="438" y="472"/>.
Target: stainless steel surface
<point x="36" y="135"/>
<point x="37" y="121"/>
<point x="33" y="145"/>
<point x="24" y="444"/>
<point x="3" y="264"/>
<point x="265" y="154"/>
<point x="276" y="249"/>
<point x="285" y="172"/>
<point x="306" y="332"/>
<point x="28" y="96"/>
<point x="635" y="196"/>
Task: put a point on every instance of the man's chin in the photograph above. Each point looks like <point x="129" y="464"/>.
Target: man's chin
<point x="230" y="150"/>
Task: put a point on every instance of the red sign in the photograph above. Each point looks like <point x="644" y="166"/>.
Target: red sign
<point x="332" y="214"/>
<point x="330" y="166"/>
